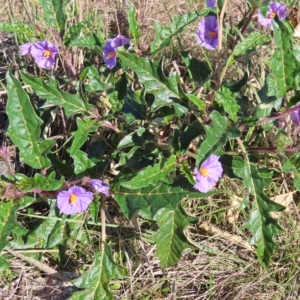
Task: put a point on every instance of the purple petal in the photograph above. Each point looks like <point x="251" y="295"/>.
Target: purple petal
<point x="203" y="185"/>
<point x="295" y="116"/>
<point x="120" y="40"/>
<point x="213" y="172"/>
<point x="211" y="3"/>
<point x="84" y="198"/>
<point x="207" y="34"/>
<point x="99" y="186"/>
<point x="25" y="48"/>
<point x="110" y="54"/>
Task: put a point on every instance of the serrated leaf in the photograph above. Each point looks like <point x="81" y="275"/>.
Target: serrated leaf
<point x="7" y="221"/>
<point x="17" y="28"/>
<point x="149" y="200"/>
<point x="284" y="64"/>
<point x="197" y="69"/>
<point x="92" y="81"/>
<point x="228" y="103"/>
<point x="84" y="128"/>
<point x="167" y="92"/>
<point x="190" y="133"/>
<point x="216" y="136"/>
<point x="164" y="34"/>
<point x="152" y="174"/>
<point x="262" y="225"/>
<point x="54" y="13"/>
<point x="86" y="41"/>
<point x="133" y="24"/>
<point x="72" y="103"/>
<point x="52" y="230"/>
<point x="73" y="32"/>
<point x="198" y="102"/>
<point x="170" y="239"/>
<point x="139" y="157"/>
<point x="134" y="107"/>
<point x="96" y="280"/>
<point x="25" y="126"/>
<point x="248" y="45"/>
<point x="138" y="138"/>
<point x="39" y="181"/>
<point x="81" y="162"/>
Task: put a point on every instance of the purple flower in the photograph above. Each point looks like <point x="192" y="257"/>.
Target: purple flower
<point x="207" y="34"/>
<point x="74" y="201"/>
<point x="210" y="172"/>
<point x="109" y="50"/>
<point x="43" y="53"/>
<point x="99" y="186"/>
<point x="295" y="116"/>
<point x="211" y="3"/>
<point x="275" y="8"/>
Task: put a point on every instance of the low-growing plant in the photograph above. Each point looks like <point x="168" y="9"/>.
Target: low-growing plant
<point x="142" y="133"/>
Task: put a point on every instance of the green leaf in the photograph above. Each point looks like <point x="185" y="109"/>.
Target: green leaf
<point x="133" y="24"/>
<point x="52" y="230"/>
<point x="197" y="69"/>
<point x="84" y="128"/>
<point x="72" y="103"/>
<point x="164" y="34"/>
<point x="198" y="102"/>
<point x="138" y="138"/>
<point x="167" y="92"/>
<point x="7" y="221"/>
<point x="216" y="136"/>
<point x="190" y="133"/>
<point x="92" y="81"/>
<point x="54" y="13"/>
<point x="81" y="162"/>
<point x="85" y="41"/>
<point x="4" y="264"/>
<point x="17" y="28"/>
<point x="139" y="157"/>
<point x="170" y="239"/>
<point x="152" y="174"/>
<point x="284" y="64"/>
<point x="135" y="106"/>
<point x="248" y="45"/>
<point x="96" y="280"/>
<point x="149" y="200"/>
<point x="39" y="182"/>
<point x="262" y="225"/>
<point x="228" y="103"/>
<point x="25" y="126"/>
<point x="73" y="32"/>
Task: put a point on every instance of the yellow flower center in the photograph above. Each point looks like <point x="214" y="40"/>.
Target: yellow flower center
<point x="212" y="34"/>
<point x="204" y="172"/>
<point x="47" y="53"/>
<point x="73" y="199"/>
<point x="271" y="15"/>
<point x="111" y="54"/>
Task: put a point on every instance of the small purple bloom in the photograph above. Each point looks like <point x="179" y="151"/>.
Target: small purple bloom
<point x="275" y="8"/>
<point x="210" y="172"/>
<point x="211" y="3"/>
<point x="295" y="116"/>
<point x="73" y="201"/>
<point x="99" y="186"/>
<point x="43" y="53"/>
<point x="109" y="50"/>
<point x="207" y="34"/>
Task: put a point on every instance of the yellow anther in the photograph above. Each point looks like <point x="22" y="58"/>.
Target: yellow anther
<point x="73" y="199"/>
